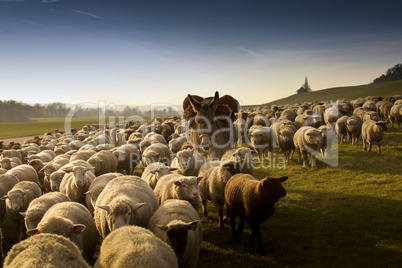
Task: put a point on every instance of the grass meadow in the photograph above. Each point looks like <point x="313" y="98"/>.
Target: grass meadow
<point x="349" y="215"/>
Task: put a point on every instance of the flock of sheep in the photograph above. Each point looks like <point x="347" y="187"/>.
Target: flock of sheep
<point x="73" y="190"/>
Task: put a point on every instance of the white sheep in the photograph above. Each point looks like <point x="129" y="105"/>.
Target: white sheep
<point x="57" y="176"/>
<point x="10" y="162"/>
<point x="96" y="187"/>
<point x="308" y="141"/>
<point x="73" y="221"/>
<point x="263" y="141"/>
<point x="76" y="182"/>
<point x="128" y="157"/>
<point x="395" y="115"/>
<point x="126" y="200"/>
<point x="103" y="162"/>
<point x="354" y="128"/>
<point x="45" y="156"/>
<point x="156" y="152"/>
<point x="331" y="114"/>
<point x="177" y="223"/>
<point x="188" y="162"/>
<point x="243" y="155"/>
<point x="284" y="138"/>
<point x="215" y="175"/>
<point x="175" y="144"/>
<point x="7" y="182"/>
<point x="373" y="131"/>
<point x="24" y="172"/>
<point x="38" y="207"/>
<point x="82" y="154"/>
<point x="340" y="127"/>
<point x="154" y="171"/>
<point x="176" y="186"/>
<point x="134" y="246"/>
<point x="328" y="138"/>
<point x="60" y="253"/>
<point x="17" y="200"/>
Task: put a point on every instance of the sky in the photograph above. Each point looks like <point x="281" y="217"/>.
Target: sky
<point x="132" y="52"/>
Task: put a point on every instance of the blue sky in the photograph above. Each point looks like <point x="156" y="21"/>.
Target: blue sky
<point x="154" y="51"/>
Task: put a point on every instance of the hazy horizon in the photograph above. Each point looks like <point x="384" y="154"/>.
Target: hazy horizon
<point x="140" y="52"/>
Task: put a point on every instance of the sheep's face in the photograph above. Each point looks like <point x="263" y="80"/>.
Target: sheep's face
<point x="313" y="137"/>
<point x="16" y="200"/>
<point x="177" y="235"/>
<point x="382" y="125"/>
<point x="187" y="188"/>
<point x="6" y="163"/>
<point x="55" y="180"/>
<point x="286" y="135"/>
<point x="121" y="212"/>
<point x="273" y="188"/>
<point x="352" y="125"/>
<point x="184" y="159"/>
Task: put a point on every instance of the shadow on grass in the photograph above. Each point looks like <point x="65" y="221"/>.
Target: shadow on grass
<point x="315" y="229"/>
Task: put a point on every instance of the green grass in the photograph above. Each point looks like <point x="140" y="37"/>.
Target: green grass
<point x="348" y="92"/>
<point x="343" y="216"/>
<point x="39" y="126"/>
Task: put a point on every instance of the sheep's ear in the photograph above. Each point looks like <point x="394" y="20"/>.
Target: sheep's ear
<point x="4" y="197"/>
<point x="78" y="228"/>
<point x="193" y="225"/>
<point x="138" y="205"/>
<point x="23" y="214"/>
<point x="284" y="178"/>
<point x="107" y="208"/>
<point x="199" y="178"/>
<point x="172" y="169"/>
<point x="25" y="192"/>
<point x="33" y="232"/>
<point x="68" y="169"/>
<point x="177" y="183"/>
<point x="41" y="170"/>
<point x="89" y="169"/>
<point x="162" y="227"/>
<point x="154" y="170"/>
<point x="87" y="192"/>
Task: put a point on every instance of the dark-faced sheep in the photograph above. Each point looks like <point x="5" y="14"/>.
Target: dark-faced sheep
<point x="253" y="201"/>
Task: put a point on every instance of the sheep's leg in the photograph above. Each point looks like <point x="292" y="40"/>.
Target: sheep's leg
<point x="232" y="218"/>
<point x="256" y="233"/>
<point x="370" y="144"/>
<point x="305" y="159"/>
<point x="364" y="144"/>
<point x="313" y="162"/>
<point x="220" y="211"/>
<point x="379" y="150"/>
<point x="240" y="228"/>
<point x="204" y="207"/>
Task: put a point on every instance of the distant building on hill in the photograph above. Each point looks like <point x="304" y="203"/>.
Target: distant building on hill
<point x="304" y="88"/>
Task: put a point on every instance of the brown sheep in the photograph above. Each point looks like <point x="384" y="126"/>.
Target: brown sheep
<point x="252" y="200"/>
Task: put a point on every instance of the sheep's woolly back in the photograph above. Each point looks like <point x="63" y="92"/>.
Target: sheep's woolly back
<point x="45" y="250"/>
<point x="133" y="246"/>
<point x="372" y="132"/>
<point x="38" y="207"/>
<point x="131" y="188"/>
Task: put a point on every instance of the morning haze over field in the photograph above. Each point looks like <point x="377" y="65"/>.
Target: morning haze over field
<point x="142" y="52"/>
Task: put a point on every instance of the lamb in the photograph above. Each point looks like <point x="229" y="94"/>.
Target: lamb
<point x="76" y="183"/>
<point x="10" y="162"/>
<point x="308" y="141"/>
<point x="153" y="172"/>
<point x="96" y="187"/>
<point x="7" y="182"/>
<point x="373" y="131"/>
<point x="242" y="155"/>
<point x="262" y="140"/>
<point x="340" y="127"/>
<point x="215" y="175"/>
<point x="354" y="128"/>
<point x="156" y="152"/>
<point x="17" y="200"/>
<point x="284" y="138"/>
<point x="60" y="253"/>
<point x="73" y="221"/>
<point x="395" y="115"/>
<point x="177" y="224"/>
<point x="176" y="186"/>
<point x="38" y="207"/>
<point x="128" y="157"/>
<point x="103" y="162"/>
<point x="188" y="162"/>
<point x="134" y="246"/>
<point x="126" y="200"/>
<point x="24" y="172"/>
<point x="252" y="200"/>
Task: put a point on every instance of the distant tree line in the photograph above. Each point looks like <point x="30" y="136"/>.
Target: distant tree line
<point x="16" y="111"/>
<point x="392" y="74"/>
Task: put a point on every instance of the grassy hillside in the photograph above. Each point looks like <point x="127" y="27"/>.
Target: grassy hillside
<point x="349" y="93"/>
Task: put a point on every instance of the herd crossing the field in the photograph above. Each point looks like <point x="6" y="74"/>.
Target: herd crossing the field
<point x="133" y="189"/>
